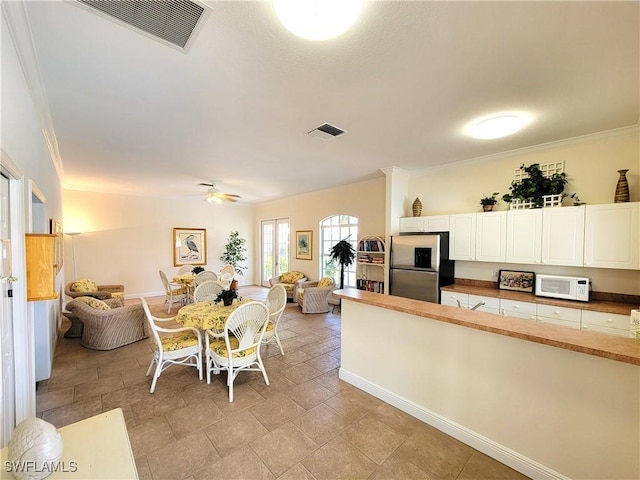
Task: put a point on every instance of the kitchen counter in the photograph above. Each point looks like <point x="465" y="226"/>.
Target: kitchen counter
<point x="620" y="349"/>
<point x="620" y="308"/>
<point x="514" y="389"/>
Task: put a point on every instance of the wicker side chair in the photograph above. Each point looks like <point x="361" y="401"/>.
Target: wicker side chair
<point x="88" y="288"/>
<point x="291" y="282"/>
<point x="108" y="329"/>
<point x="313" y="297"/>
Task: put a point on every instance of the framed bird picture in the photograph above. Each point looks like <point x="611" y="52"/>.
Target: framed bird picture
<point x="189" y="246"/>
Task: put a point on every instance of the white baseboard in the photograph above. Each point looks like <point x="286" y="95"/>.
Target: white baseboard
<point x="503" y="454"/>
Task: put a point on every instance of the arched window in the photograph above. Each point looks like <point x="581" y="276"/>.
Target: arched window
<point x="332" y="230"/>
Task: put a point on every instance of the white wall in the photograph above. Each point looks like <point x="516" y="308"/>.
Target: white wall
<point x="365" y="200"/>
<point x="591" y="163"/>
<point x="126" y="239"/>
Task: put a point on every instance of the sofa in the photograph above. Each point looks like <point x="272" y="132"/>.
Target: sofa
<point x="88" y="288"/>
<point x="290" y="281"/>
<point x="108" y="324"/>
<point x="313" y="297"/>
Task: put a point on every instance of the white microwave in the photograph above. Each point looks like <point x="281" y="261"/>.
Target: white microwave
<point x="566" y="288"/>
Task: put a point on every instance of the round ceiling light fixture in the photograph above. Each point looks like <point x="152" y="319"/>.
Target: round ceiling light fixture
<point x="497" y="126"/>
<point x="317" y="19"/>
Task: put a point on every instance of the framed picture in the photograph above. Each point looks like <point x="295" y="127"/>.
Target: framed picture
<point x="515" y="280"/>
<point x="189" y="246"/>
<point x="304" y="244"/>
<point x="55" y="228"/>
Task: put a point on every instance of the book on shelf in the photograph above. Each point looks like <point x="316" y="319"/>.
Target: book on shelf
<point x="374" y="286"/>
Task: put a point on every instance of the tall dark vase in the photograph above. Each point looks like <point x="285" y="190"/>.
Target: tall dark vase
<point x="622" y="188"/>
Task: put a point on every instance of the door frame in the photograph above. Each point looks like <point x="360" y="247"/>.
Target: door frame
<point x="276" y="266"/>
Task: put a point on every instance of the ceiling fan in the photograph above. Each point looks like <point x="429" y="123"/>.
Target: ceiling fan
<point x="214" y="195"/>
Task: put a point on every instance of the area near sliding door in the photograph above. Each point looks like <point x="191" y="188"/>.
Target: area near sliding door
<point x="275" y="248"/>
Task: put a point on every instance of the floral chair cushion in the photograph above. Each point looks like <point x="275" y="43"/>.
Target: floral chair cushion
<point x="84" y="285"/>
<point x="326" y="282"/>
<point x="94" y="303"/>
<point x="178" y="341"/>
<point x="291" y="277"/>
<point x="220" y="348"/>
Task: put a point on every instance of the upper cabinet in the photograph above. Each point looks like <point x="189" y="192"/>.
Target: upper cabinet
<point x="478" y="236"/>
<point x="563" y="236"/>
<point x="433" y="223"/>
<point x="524" y="236"/>
<point x="462" y="239"/>
<point x="612" y="236"/>
<point x="41" y="266"/>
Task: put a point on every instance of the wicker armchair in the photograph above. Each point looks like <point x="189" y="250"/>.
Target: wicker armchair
<point x="88" y="288"/>
<point x="109" y="329"/>
<point x="291" y="282"/>
<point x="313" y="296"/>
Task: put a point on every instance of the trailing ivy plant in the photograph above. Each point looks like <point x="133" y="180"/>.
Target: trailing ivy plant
<point x="234" y="252"/>
<point x="536" y="186"/>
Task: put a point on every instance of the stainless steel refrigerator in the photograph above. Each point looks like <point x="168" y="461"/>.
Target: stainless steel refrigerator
<point x="420" y="265"/>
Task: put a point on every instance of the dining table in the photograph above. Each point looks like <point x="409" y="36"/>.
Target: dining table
<point x="186" y="280"/>
<point x="208" y="315"/>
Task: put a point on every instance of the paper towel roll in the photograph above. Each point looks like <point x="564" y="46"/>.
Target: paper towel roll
<point x="634" y="328"/>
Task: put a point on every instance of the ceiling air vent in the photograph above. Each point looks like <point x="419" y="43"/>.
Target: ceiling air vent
<point x="326" y="131"/>
<point x="171" y="21"/>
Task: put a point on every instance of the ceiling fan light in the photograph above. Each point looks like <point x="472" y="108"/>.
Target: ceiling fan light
<point x="213" y="198"/>
<point x="497" y="127"/>
<point x="317" y="19"/>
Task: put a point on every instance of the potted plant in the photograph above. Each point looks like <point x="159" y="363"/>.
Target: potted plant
<point x="488" y="202"/>
<point x="226" y="296"/>
<point x="234" y="252"/>
<point x="535" y="186"/>
<point x="344" y="253"/>
<point x="197" y="270"/>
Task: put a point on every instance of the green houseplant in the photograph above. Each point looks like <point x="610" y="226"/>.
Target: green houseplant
<point x="488" y="202"/>
<point x="197" y="270"/>
<point x="536" y="186"/>
<point x="234" y="252"/>
<point x="227" y="296"/>
<point x="344" y="253"/>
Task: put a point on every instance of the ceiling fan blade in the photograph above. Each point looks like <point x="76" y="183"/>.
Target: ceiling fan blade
<point x="207" y="184"/>
<point x="229" y="195"/>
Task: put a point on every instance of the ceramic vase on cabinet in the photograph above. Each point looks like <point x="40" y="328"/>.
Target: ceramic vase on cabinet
<point x="622" y="188"/>
<point x="417" y="207"/>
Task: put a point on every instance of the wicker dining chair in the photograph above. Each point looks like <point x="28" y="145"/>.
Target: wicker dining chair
<point x="277" y="302"/>
<point x="207" y="291"/>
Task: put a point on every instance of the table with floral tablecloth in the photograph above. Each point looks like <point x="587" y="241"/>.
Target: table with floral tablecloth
<point x="207" y="315"/>
<point x="186" y="280"/>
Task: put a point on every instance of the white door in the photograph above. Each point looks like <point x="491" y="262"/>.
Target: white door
<point x="7" y="386"/>
<point x="275" y="248"/>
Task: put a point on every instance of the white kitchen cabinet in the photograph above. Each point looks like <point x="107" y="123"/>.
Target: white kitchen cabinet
<point x="512" y="308"/>
<point x="569" y="317"/>
<point x="563" y="236"/>
<point x="431" y="223"/>
<point x="452" y="299"/>
<point x="524" y="236"/>
<point x="491" y="236"/>
<point x="603" y="322"/>
<point x="611" y="236"/>
<point x="462" y="238"/>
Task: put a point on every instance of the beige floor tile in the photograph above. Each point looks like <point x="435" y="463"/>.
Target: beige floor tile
<point x="338" y="460"/>
<point x="353" y="403"/>
<point x="283" y="447"/>
<point x="243" y="464"/>
<point x="73" y="378"/>
<point x="125" y="396"/>
<point x="56" y="398"/>
<point x="182" y="458"/>
<point x="276" y="410"/>
<point x="193" y="417"/>
<point x="375" y="439"/>
<point x="157" y="404"/>
<point x="117" y="367"/>
<point x="150" y="436"/>
<point x="295" y="357"/>
<point x="321" y="424"/>
<point x="234" y="432"/>
<point x="73" y="412"/>
<point x="277" y="384"/>
<point x="97" y="387"/>
<point x="300" y="373"/>
<point x="331" y="381"/>
<point x="144" y="473"/>
<point x="324" y="363"/>
<point x="297" y="472"/>
<point x="243" y="397"/>
<point x="397" y="468"/>
<point x="396" y="419"/>
<point x="482" y="466"/>
<point x="309" y="394"/>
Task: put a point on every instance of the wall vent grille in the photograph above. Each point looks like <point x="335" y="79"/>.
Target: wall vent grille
<point x="172" y="20"/>
<point x="326" y="131"/>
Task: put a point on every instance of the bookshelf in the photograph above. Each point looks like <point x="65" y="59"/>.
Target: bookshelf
<point x="370" y="263"/>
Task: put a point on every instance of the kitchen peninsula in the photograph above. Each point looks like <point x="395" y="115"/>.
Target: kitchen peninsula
<point x="547" y="400"/>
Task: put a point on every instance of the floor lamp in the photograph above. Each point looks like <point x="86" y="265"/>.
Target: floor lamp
<point x="73" y="236"/>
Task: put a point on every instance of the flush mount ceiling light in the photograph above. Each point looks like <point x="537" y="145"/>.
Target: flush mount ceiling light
<point x="496" y="127"/>
<point x="317" y="19"/>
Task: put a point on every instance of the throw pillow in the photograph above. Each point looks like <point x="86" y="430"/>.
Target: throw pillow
<point x="325" y="282"/>
<point x="291" y="277"/>
<point x="94" y="303"/>
<point x="84" y="285"/>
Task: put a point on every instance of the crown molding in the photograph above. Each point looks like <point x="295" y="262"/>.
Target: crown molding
<point x="617" y="132"/>
<point x="19" y="28"/>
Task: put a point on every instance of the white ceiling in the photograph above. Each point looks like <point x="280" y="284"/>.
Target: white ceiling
<point x="132" y="115"/>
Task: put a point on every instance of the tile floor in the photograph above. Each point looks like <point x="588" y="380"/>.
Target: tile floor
<point x="306" y="425"/>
